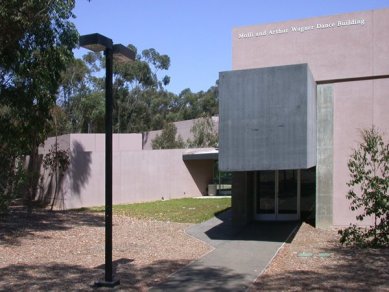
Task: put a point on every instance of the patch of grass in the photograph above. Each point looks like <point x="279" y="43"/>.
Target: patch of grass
<point x="188" y="210"/>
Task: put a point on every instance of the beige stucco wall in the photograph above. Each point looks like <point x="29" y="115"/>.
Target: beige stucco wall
<point x="138" y="176"/>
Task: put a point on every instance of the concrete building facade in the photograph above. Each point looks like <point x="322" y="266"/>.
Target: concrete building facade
<point x="263" y="101"/>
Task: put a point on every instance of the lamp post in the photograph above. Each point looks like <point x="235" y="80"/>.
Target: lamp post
<point x="97" y="43"/>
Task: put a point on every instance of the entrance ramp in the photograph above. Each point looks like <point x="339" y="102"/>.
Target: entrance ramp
<point x="240" y="255"/>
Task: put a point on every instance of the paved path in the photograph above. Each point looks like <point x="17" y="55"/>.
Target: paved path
<point x="240" y="255"/>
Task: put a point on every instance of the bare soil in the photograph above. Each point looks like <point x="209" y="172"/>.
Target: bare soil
<point x="315" y="261"/>
<point x="64" y="251"/>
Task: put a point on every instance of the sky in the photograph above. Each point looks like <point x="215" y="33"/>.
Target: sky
<point x="196" y="34"/>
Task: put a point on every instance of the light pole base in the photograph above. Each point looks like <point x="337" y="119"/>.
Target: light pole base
<point x="111" y="284"/>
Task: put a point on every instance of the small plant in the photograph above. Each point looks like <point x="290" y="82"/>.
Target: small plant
<point x="369" y="183"/>
<point x="57" y="161"/>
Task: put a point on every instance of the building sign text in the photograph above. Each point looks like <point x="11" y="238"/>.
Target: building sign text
<point x="302" y="29"/>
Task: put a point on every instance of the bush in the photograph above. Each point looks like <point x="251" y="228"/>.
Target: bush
<point x="204" y="134"/>
<point x="168" y="138"/>
<point x="12" y="182"/>
<point x="369" y="183"/>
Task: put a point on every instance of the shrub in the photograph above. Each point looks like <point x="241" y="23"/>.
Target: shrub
<point x="369" y="183"/>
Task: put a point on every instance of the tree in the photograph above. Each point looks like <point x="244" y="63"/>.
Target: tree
<point x="168" y="138"/>
<point x="81" y="96"/>
<point x="189" y="105"/>
<point x="369" y="184"/>
<point x="204" y="134"/>
<point x="141" y="101"/>
<point x="137" y="87"/>
<point x="36" y="42"/>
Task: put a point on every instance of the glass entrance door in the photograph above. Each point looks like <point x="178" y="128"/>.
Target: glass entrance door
<point x="288" y="193"/>
<point x="264" y="184"/>
<point x="277" y="195"/>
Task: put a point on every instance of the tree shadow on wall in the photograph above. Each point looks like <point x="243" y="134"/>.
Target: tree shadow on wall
<point x="52" y="186"/>
<point x="52" y="189"/>
<point x="354" y="270"/>
<point x="145" y="139"/>
<point x="80" y="167"/>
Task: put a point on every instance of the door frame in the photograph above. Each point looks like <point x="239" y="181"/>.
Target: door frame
<point x="276" y="216"/>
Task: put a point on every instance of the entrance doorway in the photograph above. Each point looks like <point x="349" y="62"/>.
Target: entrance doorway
<point x="277" y="195"/>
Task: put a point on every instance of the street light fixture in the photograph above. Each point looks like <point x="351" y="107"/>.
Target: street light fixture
<point x="97" y="43"/>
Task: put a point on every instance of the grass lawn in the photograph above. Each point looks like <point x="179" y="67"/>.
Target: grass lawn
<point x="188" y="210"/>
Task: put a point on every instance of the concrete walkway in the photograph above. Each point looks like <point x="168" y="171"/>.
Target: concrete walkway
<point x="239" y="255"/>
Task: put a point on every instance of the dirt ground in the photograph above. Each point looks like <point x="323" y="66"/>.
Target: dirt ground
<point x="64" y="251"/>
<point x="315" y="261"/>
<point x="58" y="251"/>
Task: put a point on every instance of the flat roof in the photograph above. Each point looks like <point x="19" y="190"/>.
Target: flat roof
<point x="199" y="154"/>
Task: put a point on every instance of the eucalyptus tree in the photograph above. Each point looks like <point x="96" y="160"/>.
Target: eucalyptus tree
<point x="191" y="105"/>
<point x="36" y="42"/>
<point x="81" y="96"/>
<point x="138" y="87"/>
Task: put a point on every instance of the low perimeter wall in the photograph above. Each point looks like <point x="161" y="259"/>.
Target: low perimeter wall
<point x="138" y="175"/>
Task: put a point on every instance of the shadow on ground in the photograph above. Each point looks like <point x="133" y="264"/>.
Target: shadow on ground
<point x="354" y="270"/>
<point x="193" y="277"/>
<point x="18" y="223"/>
<point x="66" y="277"/>
<point x="259" y="231"/>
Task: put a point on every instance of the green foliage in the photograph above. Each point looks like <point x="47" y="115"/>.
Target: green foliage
<point x="13" y="181"/>
<point x="187" y="210"/>
<point x="204" y="134"/>
<point x="369" y="184"/>
<point x="81" y="96"/>
<point x="141" y="102"/>
<point x="188" y="105"/>
<point x="137" y="87"/>
<point x="168" y="138"/>
<point x="36" y="42"/>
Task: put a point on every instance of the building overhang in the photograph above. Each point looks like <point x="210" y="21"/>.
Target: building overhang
<point x="201" y="154"/>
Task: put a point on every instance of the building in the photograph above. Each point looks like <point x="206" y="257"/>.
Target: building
<point x="291" y="111"/>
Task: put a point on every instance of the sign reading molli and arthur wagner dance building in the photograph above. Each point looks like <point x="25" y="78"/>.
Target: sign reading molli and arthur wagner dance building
<point x="301" y="29"/>
<point x="301" y="91"/>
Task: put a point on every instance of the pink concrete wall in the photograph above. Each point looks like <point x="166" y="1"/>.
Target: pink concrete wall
<point x="138" y="176"/>
<point x="47" y="183"/>
<point x="357" y="105"/>
<point x="96" y="142"/>
<point x="336" y="52"/>
<point x="63" y="143"/>
<point x="151" y="175"/>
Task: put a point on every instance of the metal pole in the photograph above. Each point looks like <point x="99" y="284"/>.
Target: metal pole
<point x="108" y="166"/>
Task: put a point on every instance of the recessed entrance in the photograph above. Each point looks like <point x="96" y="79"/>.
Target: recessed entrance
<point x="277" y="195"/>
